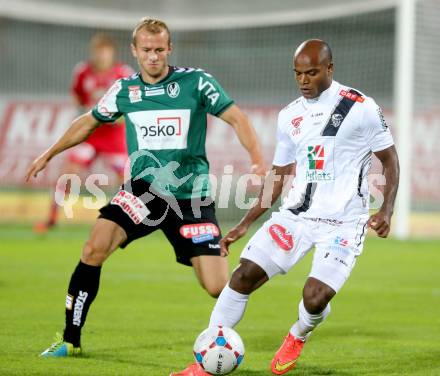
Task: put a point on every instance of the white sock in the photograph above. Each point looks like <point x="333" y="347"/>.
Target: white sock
<point x="307" y="322"/>
<point x="229" y="308"/>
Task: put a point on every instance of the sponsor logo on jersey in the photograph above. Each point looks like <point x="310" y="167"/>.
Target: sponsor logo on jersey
<point x="341" y="241"/>
<point x="281" y="236"/>
<point x="316" y="155"/>
<point x="316" y="158"/>
<point x="164" y="127"/>
<point x="173" y="89"/>
<point x="209" y="90"/>
<point x="79" y="306"/>
<point x="131" y="205"/>
<point x="69" y="302"/>
<point x="352" y="96"/>
<point x="199" y="232"/>
<point x="296" y="122"/>
<point x="214" y="246"/>
<point x="109" y="99"/>
<point x="134" y="94"/>
<point x="153" y="91"/>
<point x="161" y="129"/>
<point x="382" y="119"/>
<point x="337" y="120"/>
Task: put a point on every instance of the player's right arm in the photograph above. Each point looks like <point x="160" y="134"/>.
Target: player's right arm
<point x="269" y="193"/>
<point x="81" y="128"/>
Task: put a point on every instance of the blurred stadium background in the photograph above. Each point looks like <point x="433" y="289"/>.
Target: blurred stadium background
<point x="388" y="49"/>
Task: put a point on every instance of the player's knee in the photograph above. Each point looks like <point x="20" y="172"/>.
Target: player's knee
<point x="215" y="287"/>
<point x="242" y="280"/>
<point x="316" y="298"/>
<point x="94" y="252"/>
<point x="214" y="291"/>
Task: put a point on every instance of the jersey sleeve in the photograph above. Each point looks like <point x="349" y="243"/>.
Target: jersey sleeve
<point x="106" y="111"/>
<point x="285" y="150"/>
<point x="212" y="96"/>
<point x="374" y="127"/>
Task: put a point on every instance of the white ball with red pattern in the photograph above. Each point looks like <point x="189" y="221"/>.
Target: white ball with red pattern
<point x="219" y="350"/>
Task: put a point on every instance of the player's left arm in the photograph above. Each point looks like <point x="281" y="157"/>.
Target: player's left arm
<point x="380" y="221"/>
<point x="238" y="120"/>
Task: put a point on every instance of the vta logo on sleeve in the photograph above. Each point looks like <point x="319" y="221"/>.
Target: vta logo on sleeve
<point x="209" y="90"/>
<point x="282" y="237"/>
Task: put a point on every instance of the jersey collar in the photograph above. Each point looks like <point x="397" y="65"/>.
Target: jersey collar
<point x="170" y="72"/>
<point x="325" y="95"/>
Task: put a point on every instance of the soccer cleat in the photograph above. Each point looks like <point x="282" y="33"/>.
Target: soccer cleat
<point x="43" y="227"/>
<point x="286" y="356"/>
<point x="60" y="349"/>
<point x="192" y="370"/>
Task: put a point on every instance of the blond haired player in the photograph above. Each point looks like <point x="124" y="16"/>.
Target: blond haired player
<point x="165" y="110"/>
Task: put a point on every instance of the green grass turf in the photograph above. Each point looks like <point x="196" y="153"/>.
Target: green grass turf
<point x="385" y="321"/>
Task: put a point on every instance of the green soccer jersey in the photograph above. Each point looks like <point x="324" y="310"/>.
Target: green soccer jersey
<point x="166" y="127"/>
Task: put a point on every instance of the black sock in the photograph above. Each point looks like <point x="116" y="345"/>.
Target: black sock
<point x="83" y="288"/>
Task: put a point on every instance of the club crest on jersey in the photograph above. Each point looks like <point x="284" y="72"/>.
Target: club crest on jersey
<point x="199" y="232"/>
<point x="173" y="89"/>
<point x="134" y="94"/>
<point x="337" y="120"/>
<point x="282" y="237"/>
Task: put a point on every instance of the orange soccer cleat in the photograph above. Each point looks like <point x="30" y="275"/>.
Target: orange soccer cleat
<point x="286" y="356"/>
<point x="192" y="370"/>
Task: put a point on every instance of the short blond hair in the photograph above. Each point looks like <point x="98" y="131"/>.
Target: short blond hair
<point x="152" y="26"/>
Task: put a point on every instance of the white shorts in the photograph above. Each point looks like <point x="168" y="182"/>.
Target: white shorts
<point x="285" y="239"/>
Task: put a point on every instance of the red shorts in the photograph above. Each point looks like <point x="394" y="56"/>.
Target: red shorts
<point x="109" y="138"/>
<point x="107" y="142"/>
<point x="85" y="154"/>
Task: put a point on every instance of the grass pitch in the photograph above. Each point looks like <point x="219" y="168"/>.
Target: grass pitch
<point x="385" y="321"/>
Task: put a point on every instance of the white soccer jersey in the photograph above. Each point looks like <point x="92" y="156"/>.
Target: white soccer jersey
<point x="331" y="138"/>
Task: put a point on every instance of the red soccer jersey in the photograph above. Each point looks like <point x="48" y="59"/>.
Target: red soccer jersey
<point x="88" y="86"/>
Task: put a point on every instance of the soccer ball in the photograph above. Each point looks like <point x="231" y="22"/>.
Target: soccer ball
<point x="219" y="350"/>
